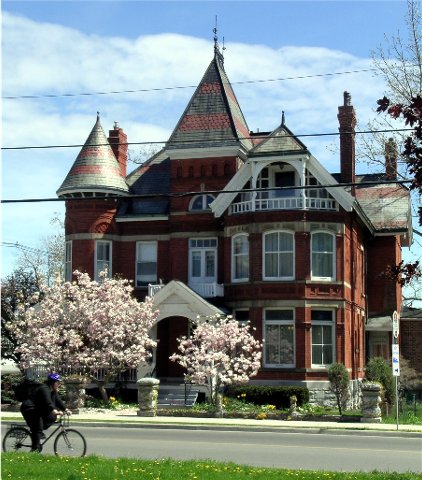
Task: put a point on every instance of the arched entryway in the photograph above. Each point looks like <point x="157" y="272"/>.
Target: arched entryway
<point x="168" y="331"/>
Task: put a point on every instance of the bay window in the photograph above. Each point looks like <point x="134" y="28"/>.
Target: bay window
<point x="323" y="256"/>
<point x="279" y="338"/>
<point x="322" y="327"/>
<point x="240" y="258"/>
<point x="278" y="256"/>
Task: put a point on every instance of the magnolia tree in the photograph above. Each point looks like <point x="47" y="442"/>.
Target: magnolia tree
<point x="84" y="326"/>
<point x="219" y="352"/>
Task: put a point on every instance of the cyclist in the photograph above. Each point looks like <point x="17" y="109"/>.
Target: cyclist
<point x="42" y="408"/>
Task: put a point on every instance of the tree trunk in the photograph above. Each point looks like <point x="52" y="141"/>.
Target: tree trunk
<point x="101" y="384"/>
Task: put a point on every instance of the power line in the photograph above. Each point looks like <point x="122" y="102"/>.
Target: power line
<point x="187" y="142"/>
<point x="208" y="192"/>
<point x="144" y="90"/>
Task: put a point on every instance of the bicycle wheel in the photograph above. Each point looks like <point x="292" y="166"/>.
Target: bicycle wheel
<point x="17" y="439"/>
<point x="70" y="443"/>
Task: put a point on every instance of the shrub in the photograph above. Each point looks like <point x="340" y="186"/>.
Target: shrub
<point x="8" y="384"/>
<point x="339" y="383"/>
<point x="378" y="370"/>
<point x="269" y="395"/>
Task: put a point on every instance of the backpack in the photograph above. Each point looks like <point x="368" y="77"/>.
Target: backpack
<point x="26" y="389"/>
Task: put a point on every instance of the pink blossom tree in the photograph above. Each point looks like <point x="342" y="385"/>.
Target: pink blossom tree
<point x="84" y="326"/>
<point x="219" y="352"/>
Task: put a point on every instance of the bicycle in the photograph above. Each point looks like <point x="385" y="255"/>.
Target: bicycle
<point x="68" y="442"/>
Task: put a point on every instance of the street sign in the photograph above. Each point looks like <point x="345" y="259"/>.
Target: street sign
<point x="395" y="360"/>
<point x="396" y="324"/>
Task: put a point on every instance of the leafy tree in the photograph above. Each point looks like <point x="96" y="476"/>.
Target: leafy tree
<point x="18" y="289"/>
<point x="86" y="326"/>
<point x="377" y="370"/>
<point x="220" y="352"/>
<point x="339" y="383"/>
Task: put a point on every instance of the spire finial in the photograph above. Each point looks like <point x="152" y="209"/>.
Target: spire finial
<point x="98" y="115"/>
<point x="215" y="36"/>
<point x="283" y="119"/>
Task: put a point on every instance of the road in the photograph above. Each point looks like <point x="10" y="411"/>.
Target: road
<point x="336" y="452"/>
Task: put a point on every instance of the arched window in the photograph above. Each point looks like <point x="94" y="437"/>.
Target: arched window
<point x="200" y="203"/>
<point x="240" y="258"/>
<point x="278" y="259"/>
<point x="323" y="256"/>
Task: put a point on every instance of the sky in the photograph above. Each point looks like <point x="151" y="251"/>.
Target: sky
<point x="280" y="56"/>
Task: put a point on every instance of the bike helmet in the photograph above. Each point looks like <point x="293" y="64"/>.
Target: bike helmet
<point x="54" y="377"/>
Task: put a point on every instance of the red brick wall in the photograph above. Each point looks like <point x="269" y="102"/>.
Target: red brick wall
<point x="411" y="342"/>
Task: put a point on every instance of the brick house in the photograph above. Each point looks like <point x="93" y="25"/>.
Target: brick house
<point x="223" y="220"/>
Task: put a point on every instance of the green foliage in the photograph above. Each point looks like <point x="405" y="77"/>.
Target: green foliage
<point x="339" y="383"/>
<point x="17" y="465"/>
<point x="8" y="384"/>
<point x="269" y="395"/>
<point x="378" y="370"/>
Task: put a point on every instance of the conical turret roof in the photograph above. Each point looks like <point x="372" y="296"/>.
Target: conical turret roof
<point x="95" y="170"/>
<point x="213" y="117"/>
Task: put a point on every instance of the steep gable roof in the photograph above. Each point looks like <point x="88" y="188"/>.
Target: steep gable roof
<point x="213" y="116"/>
<point x="95" y="170"/>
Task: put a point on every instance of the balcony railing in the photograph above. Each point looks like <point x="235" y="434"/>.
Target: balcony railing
<point x="206" y="290"/>
<point x="286" y="203"/>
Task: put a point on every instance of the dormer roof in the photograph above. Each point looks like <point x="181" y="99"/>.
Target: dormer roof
<point x="95" y="170"/>
<point x="213" y="117"/>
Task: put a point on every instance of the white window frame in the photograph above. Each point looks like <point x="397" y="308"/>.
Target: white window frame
<point x="333" y="256"/>
<point x="68" y="261"/>
<point x="282" y="323"/>
<point x="203" y="246"/>
<point x="323" y="323"/>
<point x="139" y="261"/>
<point x="98" y="269"/>
<point x="264" y="253"/>
<point x="206" y="199"/>
<point x="236" y="256"/>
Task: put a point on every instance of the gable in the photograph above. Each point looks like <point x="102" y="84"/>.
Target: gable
<point x="177" y="299"/>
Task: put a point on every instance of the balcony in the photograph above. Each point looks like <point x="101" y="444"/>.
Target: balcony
<point x="284" y="203"/>
<point x="206" y="290"/>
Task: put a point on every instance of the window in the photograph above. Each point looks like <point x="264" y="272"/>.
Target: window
<point x="240" y="257"/>
<point x="146" y="263"/>
<point x="279" y="338"/>
<point x="242" y="316"/>
<point x="323" y="256"/>
<point x="314" y="192"/>
<point x="278" y="256"/>
<point x="203" y="260"/>
<point x="201" y="202"/>
<point x="102" y="258"/>
<point x="68" y="261"/>
<point x="322" y="337"/>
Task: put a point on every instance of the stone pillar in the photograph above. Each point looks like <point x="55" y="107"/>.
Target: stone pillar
<point x="371" y="400"/>
<point x="75" y="391"/>
<point x="148" y="396"/>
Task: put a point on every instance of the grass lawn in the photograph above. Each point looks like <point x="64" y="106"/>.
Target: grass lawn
<point x="29" y="466"/>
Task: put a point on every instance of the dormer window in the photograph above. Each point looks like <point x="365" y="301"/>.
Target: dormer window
<point x="201" y="203"/>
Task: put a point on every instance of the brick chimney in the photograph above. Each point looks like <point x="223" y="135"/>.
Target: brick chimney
<point x="118" y="141"/>
<point x="391" y="153"/>
<point x="347" y="121"/>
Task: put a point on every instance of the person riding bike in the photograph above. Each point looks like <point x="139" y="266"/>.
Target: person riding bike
<point x="42" y="408"/>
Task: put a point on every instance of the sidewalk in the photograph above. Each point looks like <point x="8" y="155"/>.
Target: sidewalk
<point x="129" y="418"/>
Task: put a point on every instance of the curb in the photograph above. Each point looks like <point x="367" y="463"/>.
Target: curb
<point x="316" y="430"/>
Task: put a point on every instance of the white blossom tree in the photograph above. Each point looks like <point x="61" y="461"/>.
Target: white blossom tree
<point x="219" y="352"/>
<point x="85" y="326"/>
